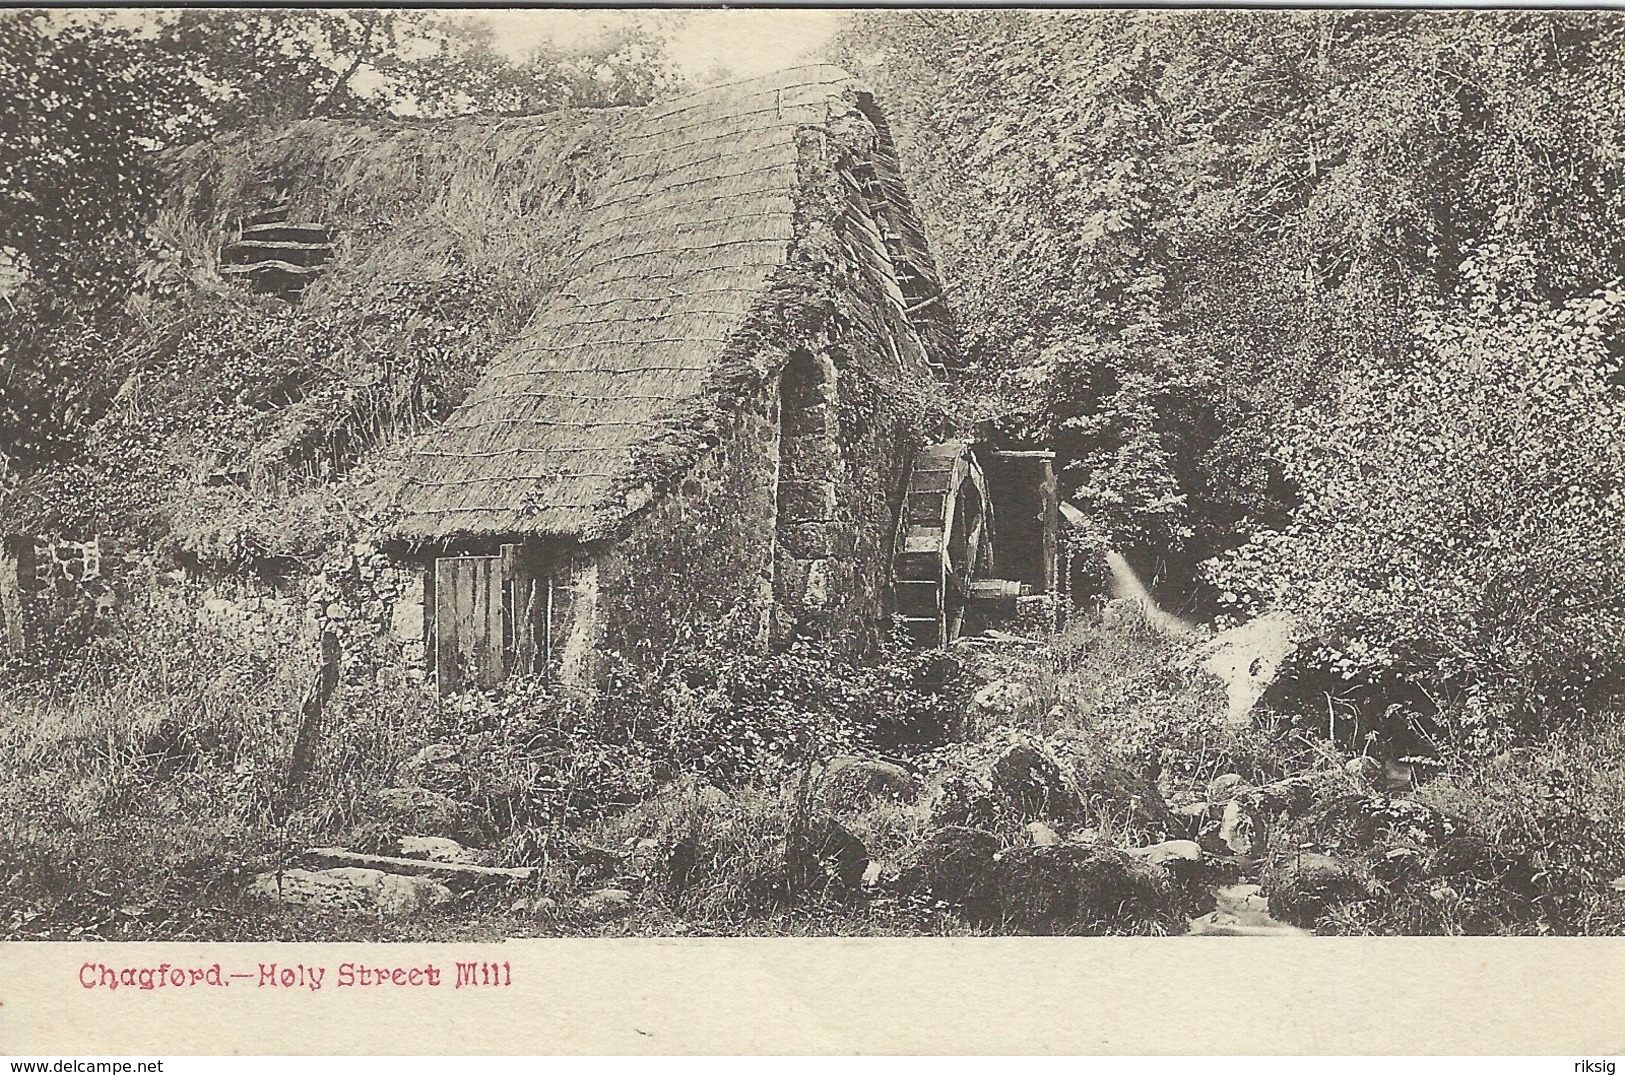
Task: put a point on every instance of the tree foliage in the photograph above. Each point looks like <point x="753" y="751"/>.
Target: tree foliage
<point x="1463" y="500"/>
<point x="1168" y="231"/>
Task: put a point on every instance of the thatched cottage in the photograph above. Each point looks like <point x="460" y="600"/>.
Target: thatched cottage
<point x="597" y="382"/>
<point x="709" y="428"/>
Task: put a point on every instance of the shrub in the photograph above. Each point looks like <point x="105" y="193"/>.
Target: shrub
<point x="1461" y="505"/>
<point x="1536" y="851"/>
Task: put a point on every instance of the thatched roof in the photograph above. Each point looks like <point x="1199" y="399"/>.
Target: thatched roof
<point x="446" y="236"/>
<point x="689" y="226"/>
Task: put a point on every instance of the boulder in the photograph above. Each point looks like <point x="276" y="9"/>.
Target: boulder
<point x="1042" y="834"/>
<point x="1364" y="770"/>
<point x="1226" y="787"/>
<point x="349" y="888"/>
<point x="1004" y="701"/>
<point x="438" y="767"/>
<point x="1032" y="783"/>
<point x="825" y="858"/>
<point x="849" y="784"/>
<point x="955" y="865"/>
<point x="1243" y="830"/>
<point x="1246" y="660"/>
<point x="1169" y="851"/>
<point x="606" y="903"/>
<point x="1075" y="889"/>
<point x="541" y="906"/>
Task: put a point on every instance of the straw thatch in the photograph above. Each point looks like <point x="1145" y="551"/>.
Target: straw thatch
<point x="446" y="236"/>
<point x="677" y="252"/>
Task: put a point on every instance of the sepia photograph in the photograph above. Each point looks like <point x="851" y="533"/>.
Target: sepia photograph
<point x="470" y="475"/>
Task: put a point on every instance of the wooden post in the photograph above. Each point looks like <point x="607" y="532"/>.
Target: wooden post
<point x="322" y="686"/>
<point x="11" y="599"/>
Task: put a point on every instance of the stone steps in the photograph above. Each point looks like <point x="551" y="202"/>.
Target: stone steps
<point x="388" y="886"/>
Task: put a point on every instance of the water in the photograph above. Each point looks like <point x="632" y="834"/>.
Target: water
<point x="1123" y="582"/>
<point x="1242" y="911"/>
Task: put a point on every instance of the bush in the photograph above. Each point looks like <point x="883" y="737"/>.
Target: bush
<point x="737" y="714"/>
<point x="1534" y="850"/>
<point x="1461" y="505"/>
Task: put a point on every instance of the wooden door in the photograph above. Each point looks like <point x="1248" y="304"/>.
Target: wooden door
<point x="470" y="622"/>
<point x="492" y="618"/>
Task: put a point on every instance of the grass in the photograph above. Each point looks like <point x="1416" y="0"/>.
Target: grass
<point x="143" y="794"/>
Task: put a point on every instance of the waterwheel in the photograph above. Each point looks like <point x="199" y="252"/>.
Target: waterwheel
<point x="944" y="542"/>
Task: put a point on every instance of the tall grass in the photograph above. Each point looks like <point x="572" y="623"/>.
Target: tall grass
<point x="157" y="770"/>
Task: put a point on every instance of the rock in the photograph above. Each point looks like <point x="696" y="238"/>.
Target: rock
<point x="437" y="767"/>
<point x="1240" y="899"/>
<point x="1224" y="788"/>
<point x="605" y="903"/>
<point x="542" y="906"/>
<point x="826" y="858"/>
<point x="1398" y="776"/>
<point x="1003" y="701"/>
<point x="1360" y="821"/>
<point x="1302" y="887"/>
<point x="1246" y="659"/>
<point x="1032" y="783"/>
<point x="964" y="799"/>
<point x="849" y="784"/>
<point x="1243" y="830"/>
<point x="437" y="849"/>
<point x="1076" y="889"/>
<point x="429" y="812"/>
<point x="1365" y="770"/>
<point x="1169" y="851"/>
<point x="1042" y="834"/>
<point x="955" y="865"/>
<point x="349" y="888"/>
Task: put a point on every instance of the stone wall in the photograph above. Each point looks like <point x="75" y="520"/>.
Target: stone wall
<point x="374" y="603"/>
<point x="698" y="565"/>
<point x="879" y="437"/>
<point x="46" y="578"/>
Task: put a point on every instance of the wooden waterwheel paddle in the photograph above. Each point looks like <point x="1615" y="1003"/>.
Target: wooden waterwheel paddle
<point x="944" y="542"/>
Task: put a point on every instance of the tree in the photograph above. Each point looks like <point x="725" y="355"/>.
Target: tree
<point x="1462" y="503"/>
<point x="293" y="64"/>
<point x="86" y="106"/>
<point x="1167" y="231"/>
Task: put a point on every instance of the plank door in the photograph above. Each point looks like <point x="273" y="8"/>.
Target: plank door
<point x="470" y="622"/>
